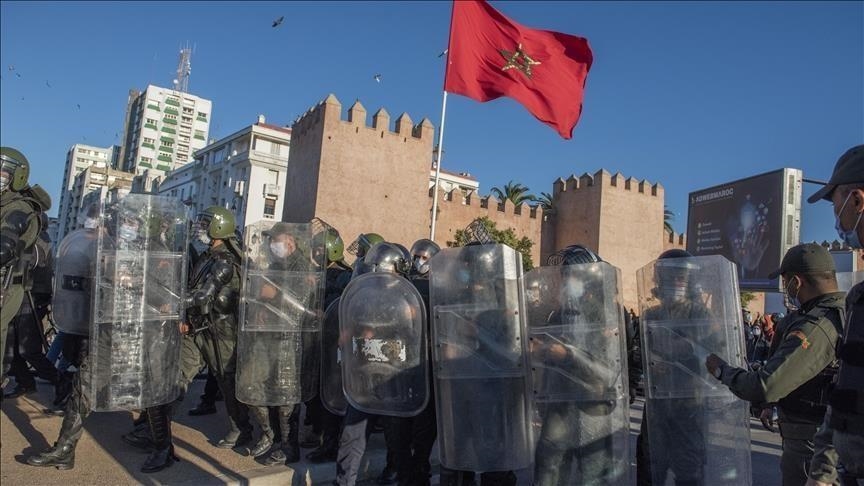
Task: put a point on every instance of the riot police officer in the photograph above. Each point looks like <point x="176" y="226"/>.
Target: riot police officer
<point x="841" y="437"/>
<point x="361" y="246"/>
<point x="411" y="438"/>
<point x="19" y="230"/>
<point x="801" y="364"/>
<point x="337" y="276"/>
<point x="685" y="410"/>
<point x="579" y="389"/>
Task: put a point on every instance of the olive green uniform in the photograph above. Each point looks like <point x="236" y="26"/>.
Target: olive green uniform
<point x="19" y="218"/>
<point x="796" y="377"/>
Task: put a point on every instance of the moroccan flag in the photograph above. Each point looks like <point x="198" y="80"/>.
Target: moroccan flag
<point x="491" y="56"/>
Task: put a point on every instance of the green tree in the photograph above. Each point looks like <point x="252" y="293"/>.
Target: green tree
<point x="514" y="192"/>
<point x="507" y="237"/>
<point x="668" y="216"/>
<point x="746" y="298"/>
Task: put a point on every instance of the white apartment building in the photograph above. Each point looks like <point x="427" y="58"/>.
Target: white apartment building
<point x="92" y="185"/>
<point x="164" y="128"/>
<point x="243" y="172"/>
<point x="78" y="159"/>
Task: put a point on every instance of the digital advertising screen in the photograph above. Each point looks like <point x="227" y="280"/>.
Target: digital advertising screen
<point x="752" y="222"/>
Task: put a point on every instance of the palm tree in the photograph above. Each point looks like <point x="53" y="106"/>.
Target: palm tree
<point x="514" y="192"/>
<point x="545" y="201"/>
<point x="668" y="216"/>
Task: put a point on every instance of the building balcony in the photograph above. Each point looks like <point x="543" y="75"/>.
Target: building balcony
<point x="149" y="145"/>
<point x="169" y="130"/>
<point x="200" y="137"/>
<point x="166" y="149"/>
<point x="201" y="118"/>
<point x="171" y="111"/>
<point x="164" y="158"/>
<point x="169" y="121"/>
<point x="172" y="102"/>
<point x="148" y="125"/>
<point x="153" y="107"/>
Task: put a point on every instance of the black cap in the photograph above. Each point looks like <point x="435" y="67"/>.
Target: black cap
<point x="849" y="170"/>
<point x="805" y="258"/>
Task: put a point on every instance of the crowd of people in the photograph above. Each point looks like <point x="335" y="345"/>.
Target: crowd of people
<point x="507" y="370"/>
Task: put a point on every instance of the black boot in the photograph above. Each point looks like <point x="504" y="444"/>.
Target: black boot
<point x="289" y="425"/>
<point x="240" y="433"/>
<point x="160" y="427"/>
<point x="329" y="447"/>
<point x="62" y="455"/>
<point x="262" y="415"/>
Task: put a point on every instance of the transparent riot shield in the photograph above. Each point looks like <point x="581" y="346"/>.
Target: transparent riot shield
<point x="385" y="367"/>
<point x="480" y="359"/>
<point x="280" y="319"/>
<point x="140" y="283"/>
<point x="74" y="276"/>
<point x="847" y="280"/>
<point x="577" y="348"/>
<point x="697" y="430"/>
<point x="332" y="395"/>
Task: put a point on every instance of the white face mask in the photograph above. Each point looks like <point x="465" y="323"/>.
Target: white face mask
<point x="91" y="223"/>
<point x="203" y="237"/>
<point x="128" y="232"/>
<point x="279" y="249"/>
<point x="421" y="264"/>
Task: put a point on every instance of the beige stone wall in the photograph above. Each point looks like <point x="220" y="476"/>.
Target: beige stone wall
<point x="360" y="178"/>
<point x="456" y="214"/>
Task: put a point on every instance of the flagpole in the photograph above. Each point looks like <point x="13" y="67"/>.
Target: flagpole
<point x="438" y="159"/>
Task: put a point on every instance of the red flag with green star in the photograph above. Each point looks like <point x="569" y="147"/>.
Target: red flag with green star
<point x="491" y="56"/>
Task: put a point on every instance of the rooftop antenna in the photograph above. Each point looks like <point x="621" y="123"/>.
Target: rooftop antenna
<point x="184" y="70"/>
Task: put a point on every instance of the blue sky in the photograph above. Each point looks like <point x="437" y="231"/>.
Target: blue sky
<point x="683" y="93"/>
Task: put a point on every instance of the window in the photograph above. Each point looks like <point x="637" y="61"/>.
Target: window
<point x="149" y="121"/>
<point x="188" y="111"/>
<point x="274" y="148"/>
<point x="187" y="119"/>
<point x="269" y="208"/>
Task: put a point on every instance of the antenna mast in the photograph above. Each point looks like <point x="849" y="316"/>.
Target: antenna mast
<point x="184" y="70"/>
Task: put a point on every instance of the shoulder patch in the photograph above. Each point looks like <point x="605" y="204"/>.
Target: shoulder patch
<point x="805" y="343"/>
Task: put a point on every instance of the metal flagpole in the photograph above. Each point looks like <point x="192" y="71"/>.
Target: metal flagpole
<point x="438" y="160"/>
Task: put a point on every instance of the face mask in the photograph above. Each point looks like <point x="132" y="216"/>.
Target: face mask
<point x="91" y="223"/>
<point x="203" y="237"/>
<point x="4" y="181"/>
<point x="793" y="299"/>
<point x="279" y="249"/>
<point x="128" y="232"/>
<point x="757" y="332"/>
<point x="420" y="264"/>
<point x="850" y="237"/>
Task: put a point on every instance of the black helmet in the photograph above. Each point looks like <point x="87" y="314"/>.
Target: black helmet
<point x="421" y="252"/>
<point x="573" y="255"/>
<point x="385" y="257"/>
<point x="672" y="274"/>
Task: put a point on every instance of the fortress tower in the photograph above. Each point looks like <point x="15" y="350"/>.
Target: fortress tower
<point x="621" y="218"/>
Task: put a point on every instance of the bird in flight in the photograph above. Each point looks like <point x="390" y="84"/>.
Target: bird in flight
<point x="377" y="78"/>
<point x="278" y="22"/>
<point x="47" y="84"/>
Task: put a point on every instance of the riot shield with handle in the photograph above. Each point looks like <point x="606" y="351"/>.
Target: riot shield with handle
<point x="140" y="283"/>
<point x="481" y="367"/>
<point x="579" y="379"/>
<point x="385" y="366"/>
<point x="332" y="395"/>
<point x="277" y="346"/>
<point x="74" y="281"/>
<point x="697" y="430"/>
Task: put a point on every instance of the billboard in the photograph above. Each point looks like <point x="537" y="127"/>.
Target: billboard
<point x="752" y="222"/>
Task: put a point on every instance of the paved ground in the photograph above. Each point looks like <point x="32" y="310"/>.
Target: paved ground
<point x="104" y="459"/>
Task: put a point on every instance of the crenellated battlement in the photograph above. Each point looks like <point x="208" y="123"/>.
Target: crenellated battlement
<point x="356" y="117"/>
<point x="603" y="178"/>
<point x="485" y="205"/>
